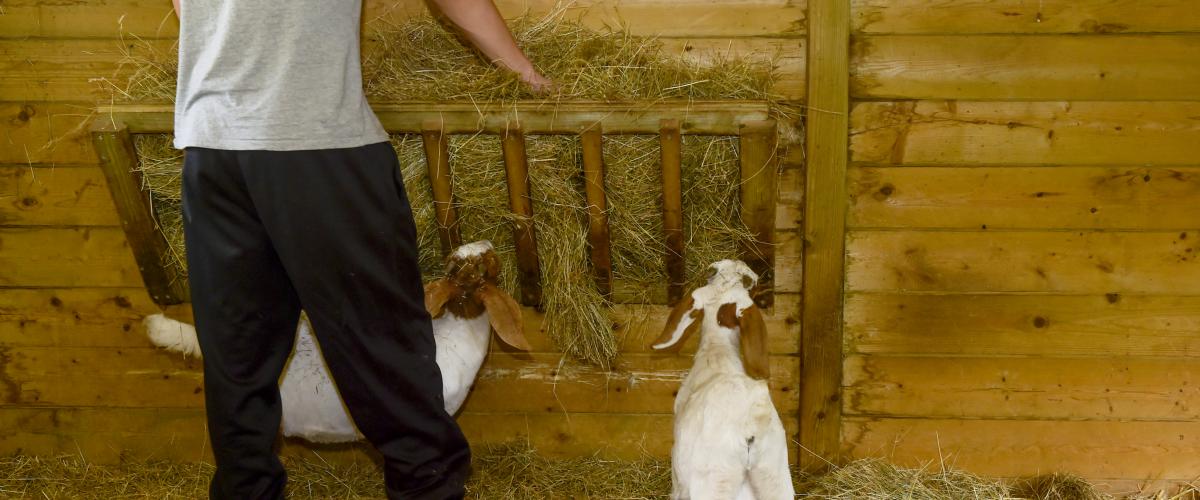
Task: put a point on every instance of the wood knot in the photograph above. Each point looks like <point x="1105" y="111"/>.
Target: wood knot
<point x="1040" y="322"/>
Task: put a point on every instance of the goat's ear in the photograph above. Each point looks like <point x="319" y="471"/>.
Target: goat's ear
<point x="504" y="315"/>
<point x="684" y="320"/>
<point x="437" y="294"/>
<point x="753" y="339"/>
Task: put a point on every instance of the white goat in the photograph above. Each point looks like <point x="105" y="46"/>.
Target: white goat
<point x="465" y="306"/>
<point x="729" y="441"/>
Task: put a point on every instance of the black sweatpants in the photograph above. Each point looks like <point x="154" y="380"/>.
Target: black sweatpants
<point x="329" y="231"/>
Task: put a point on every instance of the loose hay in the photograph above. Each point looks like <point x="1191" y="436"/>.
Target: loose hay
<point x="419" y="60"/>
<point x="517" y="472"/>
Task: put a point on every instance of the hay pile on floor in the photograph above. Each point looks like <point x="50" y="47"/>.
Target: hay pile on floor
<point x="420" y="60"/>
<point x="517" y="472"/>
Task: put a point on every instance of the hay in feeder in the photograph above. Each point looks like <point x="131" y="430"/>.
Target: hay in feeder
<point x="420" y="60"/>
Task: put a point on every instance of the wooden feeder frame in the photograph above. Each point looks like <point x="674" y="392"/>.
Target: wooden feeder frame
<point x="113" y="132"/>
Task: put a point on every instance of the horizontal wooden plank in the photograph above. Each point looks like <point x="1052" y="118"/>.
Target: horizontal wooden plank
<point x="40" y="132"/>
<point x="148" y="19"/>
<point x="150" y="377"/>
<point x="107" y="435"/>
<point x="111" y="317"/>
<point x="1011" y="448"/>
<point x="1020" y="261"/>
<point x="1025" y="133"/>
<point x="534" y="117"/>
<point x="75" y="196"/>
<point x="1031" y="67"/>
<point x="66" y="257"/>
<point x="1024" y="197"/>
<point x="1049" y="388"/>
<point x="93" y="69"/>
<point x="637" y="384"/>
<point x="1020" y="16"/>
<point x="1103" y="326"/>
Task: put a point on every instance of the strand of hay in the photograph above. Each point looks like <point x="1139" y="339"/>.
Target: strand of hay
<point x="515" y="471"/>
<point x="421" y="60"/>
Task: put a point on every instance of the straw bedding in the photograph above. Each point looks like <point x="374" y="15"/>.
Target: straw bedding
<point x="420" y="60"/>
<point x="516" y="472"/>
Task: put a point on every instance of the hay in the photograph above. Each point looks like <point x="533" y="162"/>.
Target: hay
<point x="420" y="60"/>
<point x="515" y="471"/>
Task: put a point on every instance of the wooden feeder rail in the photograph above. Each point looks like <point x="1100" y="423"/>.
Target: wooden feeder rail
<point x="113" y="131"/>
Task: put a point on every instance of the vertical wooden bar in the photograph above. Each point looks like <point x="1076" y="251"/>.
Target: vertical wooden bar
<point x="437" y="158"/>
<point x="593" y="176"/>
<point x="118" y="160"/>
<point x="516" y="167"/>
<point x="824" y="232"/>
<point x="671" y="145"/>
<point x="757" y="194"/>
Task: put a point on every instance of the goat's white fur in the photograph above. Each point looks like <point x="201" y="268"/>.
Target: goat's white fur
<point x="729" y="440"/>
<point x="312" y="408"/>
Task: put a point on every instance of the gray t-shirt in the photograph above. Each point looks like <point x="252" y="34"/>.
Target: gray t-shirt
<point x="274" y="75"/>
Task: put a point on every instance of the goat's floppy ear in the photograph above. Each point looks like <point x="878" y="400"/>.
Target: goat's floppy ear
<point x="437" y="294"/>
<point x="684" y="320"/>
<point x="753" y="340"/>
<point x="504" y="314"/>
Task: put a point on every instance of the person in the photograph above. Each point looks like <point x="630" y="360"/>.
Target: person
<point x="292" y="199"/>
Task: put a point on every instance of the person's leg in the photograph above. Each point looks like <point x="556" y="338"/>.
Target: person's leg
<point x="344" y="231"/>
<point x="246" y="313"/>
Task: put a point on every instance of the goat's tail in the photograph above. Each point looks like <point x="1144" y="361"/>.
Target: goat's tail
<point x="172" y="335"/>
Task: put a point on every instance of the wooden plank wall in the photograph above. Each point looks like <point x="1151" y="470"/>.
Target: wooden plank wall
<point x="1022" y="279"/>
<point x="77" y="375"/>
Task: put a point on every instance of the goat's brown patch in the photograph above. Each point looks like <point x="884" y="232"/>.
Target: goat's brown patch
<point x="727" y="315"/>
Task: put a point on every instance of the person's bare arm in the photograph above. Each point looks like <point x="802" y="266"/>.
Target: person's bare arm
<point x="176" y="4"/>
<point x="481" y="23"/>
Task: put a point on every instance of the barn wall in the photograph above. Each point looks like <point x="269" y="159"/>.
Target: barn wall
<point x="76" y="373"/>
<point x="1022" y="287"/>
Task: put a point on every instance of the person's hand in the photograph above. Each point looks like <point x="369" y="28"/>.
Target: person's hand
<point x="537" y="83"/>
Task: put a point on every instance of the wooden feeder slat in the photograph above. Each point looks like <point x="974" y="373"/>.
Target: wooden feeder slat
<point x="597" y="207"/>
<point x="516" y="167"/>
<point x="437" y="158"/>
<point x="671" y="144"/>
<point x="534" y="117"/>
<point x="118" y="160"/>
<point x="757" y="194"/>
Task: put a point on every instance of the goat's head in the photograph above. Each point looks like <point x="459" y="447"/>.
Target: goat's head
<point x="469" y="289"/>
<point x="728" y="294"/>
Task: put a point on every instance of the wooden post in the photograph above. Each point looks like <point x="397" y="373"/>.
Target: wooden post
<point x="118" y="160"/>
<point x="516" y="167"/>
<point x="757" y="193"/>
<point x="437" y="158"/>
<point x="597" y="204"/>
<point x="671" y="145"/>
<point x="824" y="232"/>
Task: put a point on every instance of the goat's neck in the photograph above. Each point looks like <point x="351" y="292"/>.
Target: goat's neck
<point x="718" y="353"/>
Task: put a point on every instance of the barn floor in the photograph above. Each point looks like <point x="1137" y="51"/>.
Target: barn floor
<point x="516" y="472"/>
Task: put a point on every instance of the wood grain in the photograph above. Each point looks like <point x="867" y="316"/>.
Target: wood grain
<point x="67" y="195"/>
<point x="1010" y="448"/>
<point x="1022" y="261"/>
<point x="516" y="169"/>
<point x="759" y="183"/>
<point x="1028" y="67"/>
<point x="962" y="133"/>
<point x="1112" y="325"/>
<point x="670" y="144"/>
<point x="1019" y="16"/>
<point x="118" y="160"/>
<point x="1110" y="388"/>
<point x="1025" y="197"/>
<point x="599" y="244"/>
<point x="824" y="233"/>
<point x="109" y="19"/>
<point x="437" y="156"/>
